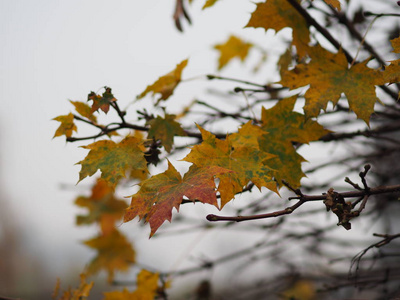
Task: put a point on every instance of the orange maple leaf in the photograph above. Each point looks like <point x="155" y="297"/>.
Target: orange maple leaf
<point x="159" y="194"/>
<point x="103" y="207"/>
<point x="113" y="159"/>
<point x="166" y="84"/>
<point x="329" y="75"/>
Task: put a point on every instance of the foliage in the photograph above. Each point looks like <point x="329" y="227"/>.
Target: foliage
<point x="264" y="148"/>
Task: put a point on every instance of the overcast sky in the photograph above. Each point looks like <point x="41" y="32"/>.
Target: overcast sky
<point x="53" y="51"/>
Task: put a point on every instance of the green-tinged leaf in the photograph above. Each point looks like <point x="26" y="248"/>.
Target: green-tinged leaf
<point x="284" y="126"/>
<point x="239" y="153"/>
<point x="277" y="14"/>
<point x="102" y="102"/>
<point x="113" y="159"/>
<point x="165" y="129"/>
<point x="329" y="75"/>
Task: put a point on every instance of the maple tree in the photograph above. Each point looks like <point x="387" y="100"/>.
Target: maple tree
<point x="332" y="91"/>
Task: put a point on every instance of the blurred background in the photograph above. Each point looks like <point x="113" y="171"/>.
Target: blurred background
<point x="55" y="51"/>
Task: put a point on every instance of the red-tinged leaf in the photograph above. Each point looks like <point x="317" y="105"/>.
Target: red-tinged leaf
<point x="166" y="84"/>
<point x="329" y="75"/>
<point x="234" y="47"/>
<point x="113" y="159"/>
<point x="284" y="126"/>
<point x="159" y="194"/>
<point x="67" y="125"/>
<point x="114" y="253"/>
<point x="102" y="102"/>
<point x="278" y="14"/>
<point x="165" y="129"/>
<point x="146" y="288"/>
<point x="238" y="153"/>
<point x="103" y="207"/>
<point x="84" y="110"/>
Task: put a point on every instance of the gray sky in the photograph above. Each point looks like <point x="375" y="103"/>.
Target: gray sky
<point x="58" y="50"/>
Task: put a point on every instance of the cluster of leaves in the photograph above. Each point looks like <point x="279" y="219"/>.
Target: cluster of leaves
<point x="261" y="152"/>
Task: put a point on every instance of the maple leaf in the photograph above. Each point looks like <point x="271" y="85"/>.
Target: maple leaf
<point x="277" y="14"/>
<point x="233" y="47"/>
<point x="103" y="102"/>
<point x="165" y="129"/>
<point x="84" y="110"/>
<point x="334" y="3"/>
<point x="159" y="194"/>
<point x="239" y="153"/>
<point x="80" y="293"/>
<point x="114" y="253"/>
<point x="285" y="126"/>
<point x="396" y="44"/>
<point x="166" y="84"/>
<point x="147" y="287"/>
<point x="103" y="207"/>
<point x="392" y="72"/>
<point x="67" y="125"/>
<point x="113" y="159"/>
<point x="209" y="3"/>
<point x="329" y="76"/>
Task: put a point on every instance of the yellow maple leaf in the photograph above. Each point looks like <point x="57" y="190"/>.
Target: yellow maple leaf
<point x="278" y="14"/>
<point x="165" y="85"/>
<point x="233" y="47"/>
<point x="209" y="3"/>
<point x="67" y="125"/>
<point x="80" y="293"/>
<point x="114" y="253"/>
<point x="334" y="3"/>
<point x="396" y="44"/>
<point x="147" y="287"/>
<point x="329" y="75"/>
